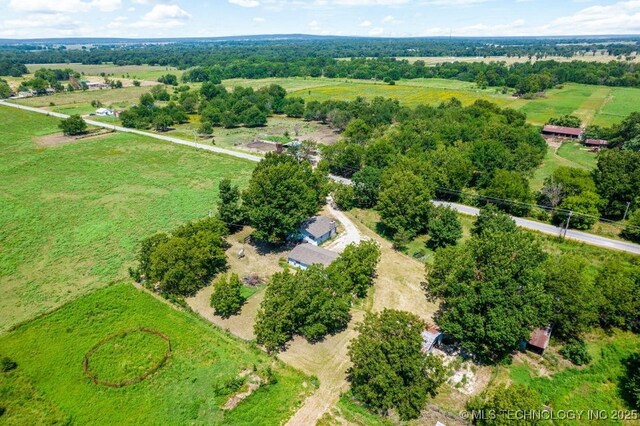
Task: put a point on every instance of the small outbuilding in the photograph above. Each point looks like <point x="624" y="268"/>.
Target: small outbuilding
<point x="104" y="112"/>
<point x="539" y="340"/>
<point x="305" y="255"/>
<point x="317" y="230"/>
<point x="562" y="131"/>
<point x="596" y="143"/>
<point x="431" y="337"/>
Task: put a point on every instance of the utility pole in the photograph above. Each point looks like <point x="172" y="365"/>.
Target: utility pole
<point x="567" y="225"/>
<point x="626" y="211"/>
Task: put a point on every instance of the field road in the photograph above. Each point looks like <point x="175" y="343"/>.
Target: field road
<point x="583" y="237"/>
<point x="141" y="132"/>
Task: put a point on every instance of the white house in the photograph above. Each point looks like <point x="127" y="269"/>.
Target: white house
<point x="317" y="230"/>
<point x="104" y="112"/>
<point x="305" y="255"/>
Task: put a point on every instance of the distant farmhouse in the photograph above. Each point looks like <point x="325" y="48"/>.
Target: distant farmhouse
<point x="305" y="255"/>
<point x="562" y="131"/>
<point x="317" y="230"/>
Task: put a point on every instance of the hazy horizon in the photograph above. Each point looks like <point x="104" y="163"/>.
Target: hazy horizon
<point x="27" y="19"/>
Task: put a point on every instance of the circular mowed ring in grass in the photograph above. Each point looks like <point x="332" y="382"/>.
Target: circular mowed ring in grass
<point x="127" y="357"/>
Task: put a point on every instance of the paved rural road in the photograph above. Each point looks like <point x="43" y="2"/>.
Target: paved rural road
<point x="583" y="237"/>
<point x="545" y="228"/>
<point x="141" y="132"/>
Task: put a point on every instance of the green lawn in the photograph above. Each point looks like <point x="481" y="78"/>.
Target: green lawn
<point x="72" y="215"/>
<point x="193" y="385"/>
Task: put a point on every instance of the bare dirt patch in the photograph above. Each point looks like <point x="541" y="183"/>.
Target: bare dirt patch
<point x="58" y="139"/>
<point x="255" y="262"/>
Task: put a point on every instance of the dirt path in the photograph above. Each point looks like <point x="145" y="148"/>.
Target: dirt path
<point x="351" y="234"/>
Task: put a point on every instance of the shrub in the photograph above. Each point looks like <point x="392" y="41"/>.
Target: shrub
<point x="73" y="125"/>
<point x="7" y="364"/>
<point x="576" y="352"/>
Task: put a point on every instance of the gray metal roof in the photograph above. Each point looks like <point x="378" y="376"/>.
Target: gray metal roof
<point x="308" y="254"/>
<point x="318" y="226"/>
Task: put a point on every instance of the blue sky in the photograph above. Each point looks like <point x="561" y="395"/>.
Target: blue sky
<point x="395" y="18"/>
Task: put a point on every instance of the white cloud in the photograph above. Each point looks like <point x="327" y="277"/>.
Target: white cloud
<point x="618" y="18"/>
<point x="258" y="19"/>
<point x="245" y="3"/>
<point x="369" y="2"/>
<point x="365" y="24"/>
<point x="376" y="31"/>
<point x="314" y="25"/>
<point x="161" y="16"/>
<point x="41" y="26"/>
<point x="64" y="6"/>
<point x="391" y="20"/>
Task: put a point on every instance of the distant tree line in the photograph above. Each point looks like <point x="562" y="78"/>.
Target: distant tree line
<point x="188" y="53"/>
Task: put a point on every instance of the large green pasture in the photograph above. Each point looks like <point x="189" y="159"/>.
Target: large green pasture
<point x="600" y="105"/>
<point x="197" y="380"/>
<point x="136" y="72"/>
<point x="72" y="215"/>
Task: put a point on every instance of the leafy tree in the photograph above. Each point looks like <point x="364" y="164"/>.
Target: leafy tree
<point x="357" y="132"/>
<point x="493" y="292"/>
<point x="617" y="178"/>
<point x="159" y="93"/>
<point x="73" y="125"/>
<point x="281" y="194"/>
<point x="404" y="202"/>
<point x="444" y="227"/>
<point x="506" y="400"/>
<point x="355" y="269"/>
<point x="575" y="350"/>
<point x="366" y="185"/>
<point x="389" y="369"/>
<point x="230" y="210"/>
<point x="566" y="120"/>
<point x="632" y="228"/>
<point x="631" y="380"/>
<point x="147" y="246"/>
<point x="147" y="100"/>
<point x="183" y="265"/>
<point x="253" y="117"/>
<point x="584" y="208"/>
<point x="620" y="286"/>
<point x="344" y="196"/>
<point x="306" y="303"/>
<point x="627" y="130"/>
<point x="509" y="191"/>
<point x="294" y="108"/>
<point x="162" y="122"/>
<point x="575" y="300"/>
<point x="168" y="79"/>
<point x="227" y="299"/>
<point x="136" y="83"/>
<point x="5" y="90"/>
<point x="491" y="220"/>
<point x="205" y="128"/>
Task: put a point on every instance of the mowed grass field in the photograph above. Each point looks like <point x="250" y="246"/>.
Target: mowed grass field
<point x="201" y="374"/>
<point x="136" y="72"/>
<point x="72" y="215"/>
